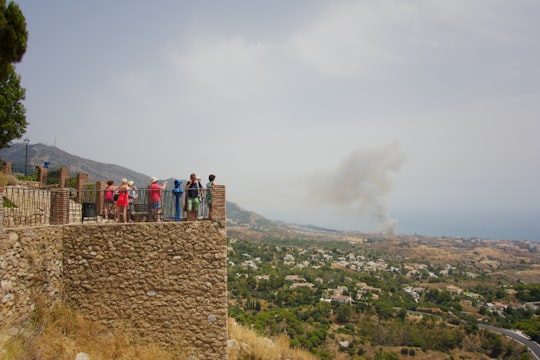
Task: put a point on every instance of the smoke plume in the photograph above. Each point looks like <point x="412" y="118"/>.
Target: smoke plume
<point x="361" y="184"/>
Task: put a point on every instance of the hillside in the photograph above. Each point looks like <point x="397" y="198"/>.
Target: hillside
<point x="238" y="216"/>
<point x="57" y="158"/>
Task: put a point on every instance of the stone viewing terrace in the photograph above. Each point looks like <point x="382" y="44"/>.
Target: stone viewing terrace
<point x="165" y="281"/>
<point x="33" y="203"/>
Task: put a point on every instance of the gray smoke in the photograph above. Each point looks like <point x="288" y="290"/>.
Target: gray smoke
<point x="361" y="184"/>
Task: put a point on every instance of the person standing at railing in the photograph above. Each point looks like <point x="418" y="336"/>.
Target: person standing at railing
<point x="132" y="196"/>
<point x="193" y="189"/>
<point x="208" y="194"/>
<point x="122" y="202"/>
<point x="202" y="203"/>
<point x="108" y="200"/>
<point x="154" y="194"/>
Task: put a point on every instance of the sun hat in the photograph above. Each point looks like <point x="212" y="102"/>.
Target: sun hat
<point x="154" y="179"/>
<point x="130" y="183"/>
<point x="124" y="181"/>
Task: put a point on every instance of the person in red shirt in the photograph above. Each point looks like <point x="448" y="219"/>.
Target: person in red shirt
<point x="154" y="194"/>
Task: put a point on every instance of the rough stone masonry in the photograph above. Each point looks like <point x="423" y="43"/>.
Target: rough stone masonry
<point x="166" y="281"/>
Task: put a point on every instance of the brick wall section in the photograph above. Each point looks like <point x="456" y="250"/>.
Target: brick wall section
<point x="218" y="202"/>
<point x="59" y="207"/>
<point x="82" y="184"/>
<point x="63" y="178"/>
<point x="165" y="281"/>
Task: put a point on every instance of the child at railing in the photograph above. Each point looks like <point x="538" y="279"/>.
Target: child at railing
<point x="132" y="196"/>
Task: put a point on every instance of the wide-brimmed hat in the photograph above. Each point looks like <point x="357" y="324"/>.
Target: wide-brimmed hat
<point x="154" y="179"/>
<point x="130" y="183"/>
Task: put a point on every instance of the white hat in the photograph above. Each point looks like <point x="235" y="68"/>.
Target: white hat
<point x="131" y="183"/>
<point x="154" y="179"/>
<point x="124" y="181"/>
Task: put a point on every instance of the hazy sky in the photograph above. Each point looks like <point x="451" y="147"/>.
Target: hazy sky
<point x="418" y="116"/>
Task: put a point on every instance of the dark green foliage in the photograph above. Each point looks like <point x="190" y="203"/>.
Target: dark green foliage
<point x="385" y="309"/>
<point x="528" y="293"/>
<point x="531" y="327"/>
<point x="343" y="313"/>
<point x="13" y="37"/>
<point x="493" y="344"/>
<point x="12" y="112"/>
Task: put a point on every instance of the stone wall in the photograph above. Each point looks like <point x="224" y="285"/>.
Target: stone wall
<point x="30" y="267"/>
<point x="167" y="282"/>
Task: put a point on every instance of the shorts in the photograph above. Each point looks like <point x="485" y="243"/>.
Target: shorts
<point x="193" y="204"/>
<point x="156" y="205"/>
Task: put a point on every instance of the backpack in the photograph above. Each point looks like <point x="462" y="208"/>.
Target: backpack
<point x="193" y="190"/>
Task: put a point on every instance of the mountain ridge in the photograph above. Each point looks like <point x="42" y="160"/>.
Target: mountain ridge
<point x="57" y="158"/>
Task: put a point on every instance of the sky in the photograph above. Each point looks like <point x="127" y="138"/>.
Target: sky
<point x="413" y="117"/>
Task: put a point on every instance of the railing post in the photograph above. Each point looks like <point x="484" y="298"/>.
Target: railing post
<point x="82" y="182"/>
<point x="59" y="207"/>
<point x="219" y="211"/>
<point x="63" y="178"/>
<point x="1" y="208"/>
<point x="42" y="175"/>
<point x="100" y="196"/>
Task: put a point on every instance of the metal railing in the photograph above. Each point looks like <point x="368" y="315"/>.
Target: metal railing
<point x="32" y="207"/>
<point x="19" y="169"/>
<point x="26" y="207"/>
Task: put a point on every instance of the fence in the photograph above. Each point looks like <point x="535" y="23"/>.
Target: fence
<point x="18" y="169"/>
<point x="30" y="207"/>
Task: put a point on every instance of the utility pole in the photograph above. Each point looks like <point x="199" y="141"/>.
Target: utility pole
<point x="26" y="142"/>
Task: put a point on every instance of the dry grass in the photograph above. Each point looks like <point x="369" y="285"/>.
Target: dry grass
<point x="247" y="344"/>
<point x="60" y="333"/>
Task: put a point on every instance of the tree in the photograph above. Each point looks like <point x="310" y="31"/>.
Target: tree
<point x="343" y="313"/>
<point x="12" y="112"/>
<point x="13" y="37"/>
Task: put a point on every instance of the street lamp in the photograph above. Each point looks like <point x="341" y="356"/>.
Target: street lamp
<point x="26" y="142"/>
